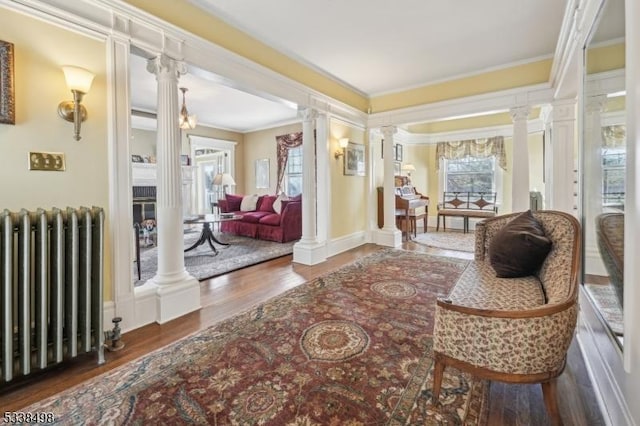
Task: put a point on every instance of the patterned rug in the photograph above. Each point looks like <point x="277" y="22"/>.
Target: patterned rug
<point x="201" y="262"/>
<point x="608" y="305"/>
<point x="448" y="240"/>
<point x="353" y="347"/>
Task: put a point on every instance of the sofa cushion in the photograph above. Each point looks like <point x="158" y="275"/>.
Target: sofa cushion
<point x="266" y="203"/>
<point x="519" y="248"/>
<point x="272" y="219"/>
<point x="253" y="217"/>
<point x="277" y="203"/>
<point x="249" y="203"/>
<point x="233" y="202"/>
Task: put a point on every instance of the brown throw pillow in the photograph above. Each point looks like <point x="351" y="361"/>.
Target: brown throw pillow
<point x="519" y="248"/>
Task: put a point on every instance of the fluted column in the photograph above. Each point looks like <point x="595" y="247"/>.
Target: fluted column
<point x="520" y="168"/>
<point x="309" y="250"/>
<point x="389" y="235"/>
<point x="171" y="270"/>
<point x="592" y="185"/>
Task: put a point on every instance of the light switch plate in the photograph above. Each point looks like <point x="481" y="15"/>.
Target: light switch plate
<point x="49" y="161"/>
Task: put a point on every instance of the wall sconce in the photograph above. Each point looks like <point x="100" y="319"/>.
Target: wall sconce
<point x="79" y="82"/>
<point x="342" y="143"/>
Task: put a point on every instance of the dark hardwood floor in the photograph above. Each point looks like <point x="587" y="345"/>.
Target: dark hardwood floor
<point x="223" y="296"/>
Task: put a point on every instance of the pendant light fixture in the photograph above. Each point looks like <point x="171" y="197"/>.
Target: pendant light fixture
<point x="187" y="121"/>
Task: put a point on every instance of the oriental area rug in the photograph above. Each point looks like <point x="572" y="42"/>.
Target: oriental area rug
<point x="352" y="347"/>
<point x="448" y="240"/>
<point x="201" y="262"/>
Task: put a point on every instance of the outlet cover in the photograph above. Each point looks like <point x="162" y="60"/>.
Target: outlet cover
<point x="49" y="161"/>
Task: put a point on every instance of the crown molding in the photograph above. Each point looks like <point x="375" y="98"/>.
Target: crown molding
<point x="496" y="101"/>
<point x="105" y="19"/>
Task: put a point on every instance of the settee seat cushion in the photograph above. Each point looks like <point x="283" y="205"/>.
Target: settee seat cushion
<point x="272" y="219"/>
<point x="467" y="212"/>
<point x="479" y="288"/>
<point x="253" y="217"/>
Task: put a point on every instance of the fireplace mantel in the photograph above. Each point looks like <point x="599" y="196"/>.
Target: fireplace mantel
<point x="144" y="174"/>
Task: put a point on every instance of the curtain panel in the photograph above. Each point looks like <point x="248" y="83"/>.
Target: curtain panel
<point x="479" y="148"/>
<point x="284" y="144"/>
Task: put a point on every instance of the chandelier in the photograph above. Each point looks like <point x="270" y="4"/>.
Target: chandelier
<point x="186" y="121"/>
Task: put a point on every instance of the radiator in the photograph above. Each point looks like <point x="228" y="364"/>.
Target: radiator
<point x="51" y="288"/>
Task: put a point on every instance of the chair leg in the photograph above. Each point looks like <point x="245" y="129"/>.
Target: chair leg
<point x="549" y="392"/>
<point x="438" y="372"/>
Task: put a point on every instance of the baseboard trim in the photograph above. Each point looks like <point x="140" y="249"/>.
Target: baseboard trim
<point x="347" y="242"/>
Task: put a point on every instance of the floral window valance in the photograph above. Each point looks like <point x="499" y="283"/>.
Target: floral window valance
<point x="614" y="136"/>
<point x="284" y="144"/>
<point x="479" y="148"/>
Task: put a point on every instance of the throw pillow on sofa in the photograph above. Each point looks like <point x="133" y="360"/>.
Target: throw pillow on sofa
<point x="277" y="203"/>
<point x="233" y="202"/>
<point x="519" y="248"/>
<point x="249" y="203"/>
<point x="266" y="204"/>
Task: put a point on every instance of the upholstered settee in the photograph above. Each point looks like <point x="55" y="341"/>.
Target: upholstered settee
<point x="515" y="330"/>
<point x="281" y="224"/>
<point x="610" y="237"/>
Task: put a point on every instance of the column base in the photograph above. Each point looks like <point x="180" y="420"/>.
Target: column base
<point x="388" y="237"/>
<point x="176" y="299"/>
<point x="309" y="253"/>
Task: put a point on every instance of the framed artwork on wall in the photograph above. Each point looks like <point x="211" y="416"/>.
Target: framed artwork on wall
<point x="398" y="152"/>
<point x="7" y="93"/>
<point x="137" y="158"/>
<point x="354" y="161"/>
<point x="262" y="173"/>
<point x="397" y="168"/>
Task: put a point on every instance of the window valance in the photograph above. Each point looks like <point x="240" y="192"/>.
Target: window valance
<point x="480" y="148"/>
<point x="614" y="136"/>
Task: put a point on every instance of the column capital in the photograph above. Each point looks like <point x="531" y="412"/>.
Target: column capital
<point x="596" y="103"/>
<point x="165" y="65"/>
<point x="307" y="114"/>
<point x="388" y="131"/>
<point x="520" y="113"/>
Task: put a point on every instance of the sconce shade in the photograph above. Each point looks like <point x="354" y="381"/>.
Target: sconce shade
<point x="223" y="179"/>
<point x="408" y="167"/>
<point x="78" y="78"/>
<point x="343" y="143"/>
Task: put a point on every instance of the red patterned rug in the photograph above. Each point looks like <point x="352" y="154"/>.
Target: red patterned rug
<point x="352" y="347"/>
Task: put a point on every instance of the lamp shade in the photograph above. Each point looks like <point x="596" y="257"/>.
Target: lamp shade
<point x="78" y="78"/>
<point x="223" y="179"/>
<point x="408" y="167"/>
<point x="343" y="143"/>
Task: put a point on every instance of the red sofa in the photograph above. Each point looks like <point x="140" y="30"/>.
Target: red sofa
<point x="264" y="223"/>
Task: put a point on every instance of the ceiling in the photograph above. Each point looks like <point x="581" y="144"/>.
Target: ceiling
<point x="372" y="46"/>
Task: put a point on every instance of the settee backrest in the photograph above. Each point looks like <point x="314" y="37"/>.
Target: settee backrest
<point x="559" y="272"/>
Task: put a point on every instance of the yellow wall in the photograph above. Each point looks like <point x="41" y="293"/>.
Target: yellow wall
<point x="40" y="50"/>
<point x="605" y="58"/>
<point x="349" y="198"/>
<point x="259" y="145"/>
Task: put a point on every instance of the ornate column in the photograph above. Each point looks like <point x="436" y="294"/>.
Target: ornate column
<point x="323" y="205"/>
<point x="562" y="158"/>
<point x="520" y="168"/>
<point x="178" y="292"/>
<point x="389" y="235"/>
<point x="592" y="185"/>
<point x="309" y="250"/>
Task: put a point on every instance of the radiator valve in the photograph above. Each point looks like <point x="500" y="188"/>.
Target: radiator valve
<point x="114" y="336"/>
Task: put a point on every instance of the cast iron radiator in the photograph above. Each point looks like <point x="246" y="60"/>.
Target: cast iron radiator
<point x="51" y="285"/>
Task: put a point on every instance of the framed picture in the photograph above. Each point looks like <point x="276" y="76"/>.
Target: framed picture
<point x="354" y="162"/>
<point x="137" y="158"/>
<point x="262" y="173"/>
<point x="7" y="93"/>
<point x="397" y="168"/>
<point x="184" y="160"/>
<point x="398" y="152"/>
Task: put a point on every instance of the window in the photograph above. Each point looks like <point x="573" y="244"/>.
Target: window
<point x="293" y="174"/>
<point x="613" y="171"/>
<point x="470" y="174"/>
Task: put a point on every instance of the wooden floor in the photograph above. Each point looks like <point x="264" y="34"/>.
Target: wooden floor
<point x="224" y="296"/>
